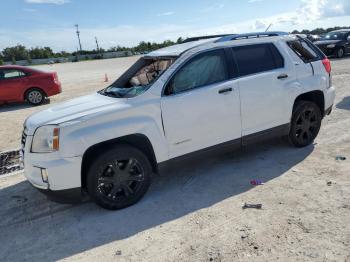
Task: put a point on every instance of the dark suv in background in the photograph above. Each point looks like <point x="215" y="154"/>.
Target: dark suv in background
<point x="335" y="43"/>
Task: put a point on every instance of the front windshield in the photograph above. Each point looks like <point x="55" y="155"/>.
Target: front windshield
<point x="138" y="78"/>
<point x="334" y="36"/>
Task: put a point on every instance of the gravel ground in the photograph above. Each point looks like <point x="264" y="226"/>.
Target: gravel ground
<point x="193" y="213"/>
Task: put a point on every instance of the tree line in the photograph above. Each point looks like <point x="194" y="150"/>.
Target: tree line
<point x="20" y="52"/>
<point x="319" y="31"/>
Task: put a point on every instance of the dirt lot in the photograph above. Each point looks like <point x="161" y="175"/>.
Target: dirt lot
<point x="77" y="79"/>
<point x="193" y="213"/>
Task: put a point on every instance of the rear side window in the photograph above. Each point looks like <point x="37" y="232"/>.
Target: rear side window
<point x="253" y="59"/>
<point x="205" y="69"/>
<point x="11" y="73"/>
<point x="303" y="50"/>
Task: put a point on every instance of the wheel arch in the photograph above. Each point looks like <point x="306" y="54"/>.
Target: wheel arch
<point x="315" y="96"/>
<point x="138" y="141"/>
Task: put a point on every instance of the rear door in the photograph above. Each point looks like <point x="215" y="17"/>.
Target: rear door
<point x="12" y="84"/>
<point x="263" y="83"/>
<point x="200" y="105"/>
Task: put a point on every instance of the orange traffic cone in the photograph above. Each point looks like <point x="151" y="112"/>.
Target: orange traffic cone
<point x="106" y="78"/>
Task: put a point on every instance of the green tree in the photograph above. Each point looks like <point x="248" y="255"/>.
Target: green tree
<point x="18" y="52"/>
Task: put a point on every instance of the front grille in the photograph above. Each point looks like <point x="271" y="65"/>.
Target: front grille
<point x="23" y="139"/>
<point x="23" y="144"/>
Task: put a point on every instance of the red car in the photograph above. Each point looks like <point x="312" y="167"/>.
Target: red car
<point x="19" y="83"/>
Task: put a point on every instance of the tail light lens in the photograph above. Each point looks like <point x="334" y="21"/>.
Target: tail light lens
<point x="327" y="65"/>
<point x="54" y="77"/>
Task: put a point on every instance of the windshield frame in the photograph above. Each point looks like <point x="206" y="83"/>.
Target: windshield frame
<point x="124" y="79"/>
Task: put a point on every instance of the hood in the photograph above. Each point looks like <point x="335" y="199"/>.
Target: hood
<point x="326" y="42"/>
<point x="72" y="110"/>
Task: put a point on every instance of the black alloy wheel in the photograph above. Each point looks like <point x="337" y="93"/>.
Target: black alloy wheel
<point x="119" y="177"/>
<point x="306" y="123"/>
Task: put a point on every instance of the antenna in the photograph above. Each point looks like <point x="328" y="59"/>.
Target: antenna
<point x="267" y="29"/>
<point x="78" y="34"/>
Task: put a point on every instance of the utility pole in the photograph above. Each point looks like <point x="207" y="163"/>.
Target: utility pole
<point x="98" y="48"/>
<point x="78" y="34"/>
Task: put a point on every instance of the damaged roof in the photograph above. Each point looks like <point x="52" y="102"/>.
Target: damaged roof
<point x="176" y="50"/>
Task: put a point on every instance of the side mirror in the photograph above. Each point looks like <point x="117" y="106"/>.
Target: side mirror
<point x="348" y="37"/>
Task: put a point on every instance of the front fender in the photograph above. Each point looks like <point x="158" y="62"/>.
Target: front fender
<point x="77" y="140"/>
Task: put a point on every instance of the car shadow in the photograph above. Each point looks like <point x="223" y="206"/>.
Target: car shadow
<point x="8" y="107"/>
<point x="344" y="103"/>
<point x="66" y="230"/>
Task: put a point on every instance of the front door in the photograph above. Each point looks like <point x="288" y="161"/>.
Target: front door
<point x="201" y="105"/>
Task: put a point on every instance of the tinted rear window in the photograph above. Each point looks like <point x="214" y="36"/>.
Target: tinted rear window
<point x="303" y="50"/>
<point x="254" y="59"/>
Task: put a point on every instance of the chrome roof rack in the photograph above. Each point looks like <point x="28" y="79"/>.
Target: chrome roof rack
<point x="196" y="38"/>
<point x="250" y="35"/>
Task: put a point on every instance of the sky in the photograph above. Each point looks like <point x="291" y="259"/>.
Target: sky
<point x="126" y="23"/>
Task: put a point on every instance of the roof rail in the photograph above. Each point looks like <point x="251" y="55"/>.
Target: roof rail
<point x="191" y="39"/>
<point x="250" y="35"/>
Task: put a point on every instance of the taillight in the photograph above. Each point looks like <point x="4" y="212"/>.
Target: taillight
<point x="327" y="65"/>
<point x="54" y="77"/>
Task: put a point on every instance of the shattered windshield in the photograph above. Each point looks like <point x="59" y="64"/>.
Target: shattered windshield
<point x="138" y="78"/>
<point x="334" y="36"/>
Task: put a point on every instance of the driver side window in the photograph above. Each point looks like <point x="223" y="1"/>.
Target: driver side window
<point x="204" y="69"/>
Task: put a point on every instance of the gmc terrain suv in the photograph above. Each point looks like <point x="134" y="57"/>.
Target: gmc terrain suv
<point x="335" y="43"/>
<point x="176" y="101"/>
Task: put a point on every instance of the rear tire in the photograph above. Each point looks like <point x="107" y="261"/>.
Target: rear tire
<point x="119" y="178"/>
<point x="340" y="53"/>
<point x="305" y="124"/>
<point x="35" y="96"/>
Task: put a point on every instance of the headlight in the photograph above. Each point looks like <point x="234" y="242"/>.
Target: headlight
<point x="331" y="46"/>
<point x="46" y="139"/>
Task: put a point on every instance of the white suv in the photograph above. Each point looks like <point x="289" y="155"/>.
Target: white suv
<point x="184" y="99"/>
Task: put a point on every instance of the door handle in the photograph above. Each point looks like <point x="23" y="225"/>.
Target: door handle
<point x="225" y="90"/>
<point x="282" y="76"/>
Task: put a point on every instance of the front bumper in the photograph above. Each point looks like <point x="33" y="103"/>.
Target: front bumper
<point x="51" y="173"/>
<point x="67" y="196"/>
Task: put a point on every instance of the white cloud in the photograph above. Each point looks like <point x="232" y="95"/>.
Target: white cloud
<point x="29" y="10"/>
<point x="254" y="1"/>
<point x="166" y="13"/>
<point x="309" y="11"/>
<point x="211" y="8"/>
<point x="55" y="2"/>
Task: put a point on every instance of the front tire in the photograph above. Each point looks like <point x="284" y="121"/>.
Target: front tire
<point x="340" y="53"/>
<point x="119" y="177"/>
<point x="35" y="96"/>
<point x="305" y="124"/>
